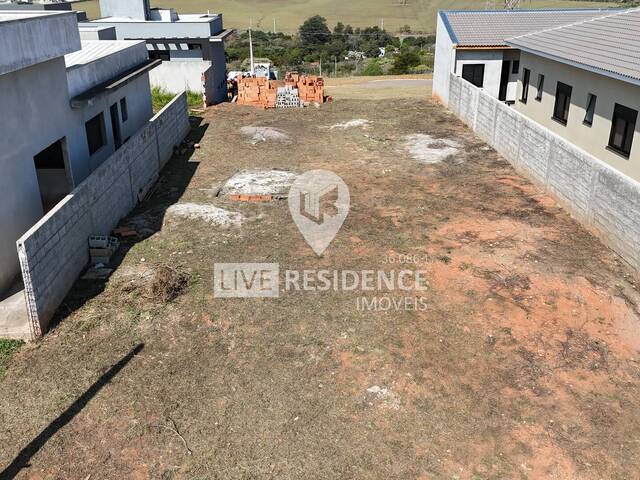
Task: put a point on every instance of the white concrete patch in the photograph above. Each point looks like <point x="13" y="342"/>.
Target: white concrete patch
<point x="263" y="134"/>
<point x="209" y="213"/>
<point x="259" y="182"/>
<point x="384" y="396"/>
<point x="358" y="122"/>
<point x="427" y="149"/>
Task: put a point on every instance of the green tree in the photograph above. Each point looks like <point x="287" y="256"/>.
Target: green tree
<point x="404" y="61"/>
<point x="373" y="69"/>
<point x="314" y="31"/>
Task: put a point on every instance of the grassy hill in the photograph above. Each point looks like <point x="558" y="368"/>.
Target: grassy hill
<point x="289" y="14"/>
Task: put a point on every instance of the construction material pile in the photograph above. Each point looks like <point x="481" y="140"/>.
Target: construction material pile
<point x="295" y="91"/>
<point x="259" y="91"/>
<point x="310" y="87"/>
<point x="288" y="97"/>
<point x="102" y="248"/>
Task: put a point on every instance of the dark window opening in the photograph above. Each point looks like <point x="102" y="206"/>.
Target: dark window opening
<point x="159" y="55"/>
<point x="51" y="172"/>
<point x="540" y="87"/>
<point x="504" y="80"/>
<point x="123" y="110"/>
<point x="474" y="73"/>
<point x="515" y="67"/>
<point x="526" y="78"/>
<point x="591" y="109"/>
<point x="623" y="126"/>
<point x="115" y="126"/>
<point x="194" y="46"/>
<point x="95" y="133"/>
<point x="563" y="102"/>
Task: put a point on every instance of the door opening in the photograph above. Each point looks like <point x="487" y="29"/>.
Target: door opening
<point x="54" y="180"/>
<point x="504" y="80"/>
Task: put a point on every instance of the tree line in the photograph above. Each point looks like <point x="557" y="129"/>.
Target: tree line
<point x="344" y="50"/>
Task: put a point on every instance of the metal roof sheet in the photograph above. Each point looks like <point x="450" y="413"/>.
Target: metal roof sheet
<point x="608" y="44"/>
<point x="93" y="50"/>
<point x="482" y="28"/>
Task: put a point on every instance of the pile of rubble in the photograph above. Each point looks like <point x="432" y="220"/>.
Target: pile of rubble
<point x="295" y="91"/>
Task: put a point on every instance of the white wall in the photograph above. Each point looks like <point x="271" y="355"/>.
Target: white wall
<point x="595" y="138"/>
<point x="443" y="63"/>
<point x="600" y="196"/>
<point x="54" y="251"/>
<point x="26" y="128"/>
<point x="512" y="86"/>
<point x="178" y="75"/>
<point x="492" y="60"/>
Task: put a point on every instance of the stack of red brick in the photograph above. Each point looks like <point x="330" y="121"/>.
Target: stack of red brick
<point x="310" y="87"/>
<point x="262" y="92"/>
<point x="259" y="92"/>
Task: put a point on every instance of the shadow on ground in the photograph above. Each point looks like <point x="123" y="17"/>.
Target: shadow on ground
<point x="173" y="181"/>
<point x="23" y="458"/>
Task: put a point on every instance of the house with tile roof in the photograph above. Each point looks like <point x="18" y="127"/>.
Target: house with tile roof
<point x="582" y="82"/>
<point x="473" y="45"/>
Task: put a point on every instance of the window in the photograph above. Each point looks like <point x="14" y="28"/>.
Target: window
<point x="540" y="87"/>
<point x="515" y="67"/>
<point x="474" y="73"/>
<point x="591" y="109"/>
<point x="159" y="55"/>
<point x="95" y="133"/>
<point x="526" y="77"/>
<point x="563" y="102"/>
<point x="623" y="126"/>
<point x="194" y="46"/>
<point x="124" y="113"/>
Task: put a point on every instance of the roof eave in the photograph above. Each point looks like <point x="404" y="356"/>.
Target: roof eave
<point x="581" y="66"/>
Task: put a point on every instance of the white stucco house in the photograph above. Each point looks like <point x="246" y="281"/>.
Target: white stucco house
<point x="191" y="46"/>
<point x="67" y="106"/>
<point x="582" y="82"/>
<point x="473" y="45"/>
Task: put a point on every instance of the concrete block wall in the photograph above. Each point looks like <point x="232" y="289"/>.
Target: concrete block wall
<point x="55" y="250"/>
<point x="604" y="200"/>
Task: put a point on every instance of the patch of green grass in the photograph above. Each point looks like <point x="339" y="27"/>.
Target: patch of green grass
<point x="7" y="349"/>
<point x="160" y="97"/>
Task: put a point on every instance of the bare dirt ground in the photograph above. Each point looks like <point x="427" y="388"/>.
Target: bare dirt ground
<point x="524" y="364"/>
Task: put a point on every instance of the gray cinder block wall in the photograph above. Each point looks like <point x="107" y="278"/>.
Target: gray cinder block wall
<point x="55" y="250"/>
<point x="604" y="200"/>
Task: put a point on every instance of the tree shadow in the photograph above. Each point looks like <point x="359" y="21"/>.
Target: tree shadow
<point x="22" y="459"/>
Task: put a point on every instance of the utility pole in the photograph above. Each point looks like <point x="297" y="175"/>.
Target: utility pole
<point x="274" y="25"/>
<point x="335" y="67"/>
<point x="320" y="66"/>
<point x="382" y="23"/>
<point x="251" y="48"/>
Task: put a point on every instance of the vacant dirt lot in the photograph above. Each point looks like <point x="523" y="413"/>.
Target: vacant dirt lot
<point x="523" y="365"/>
